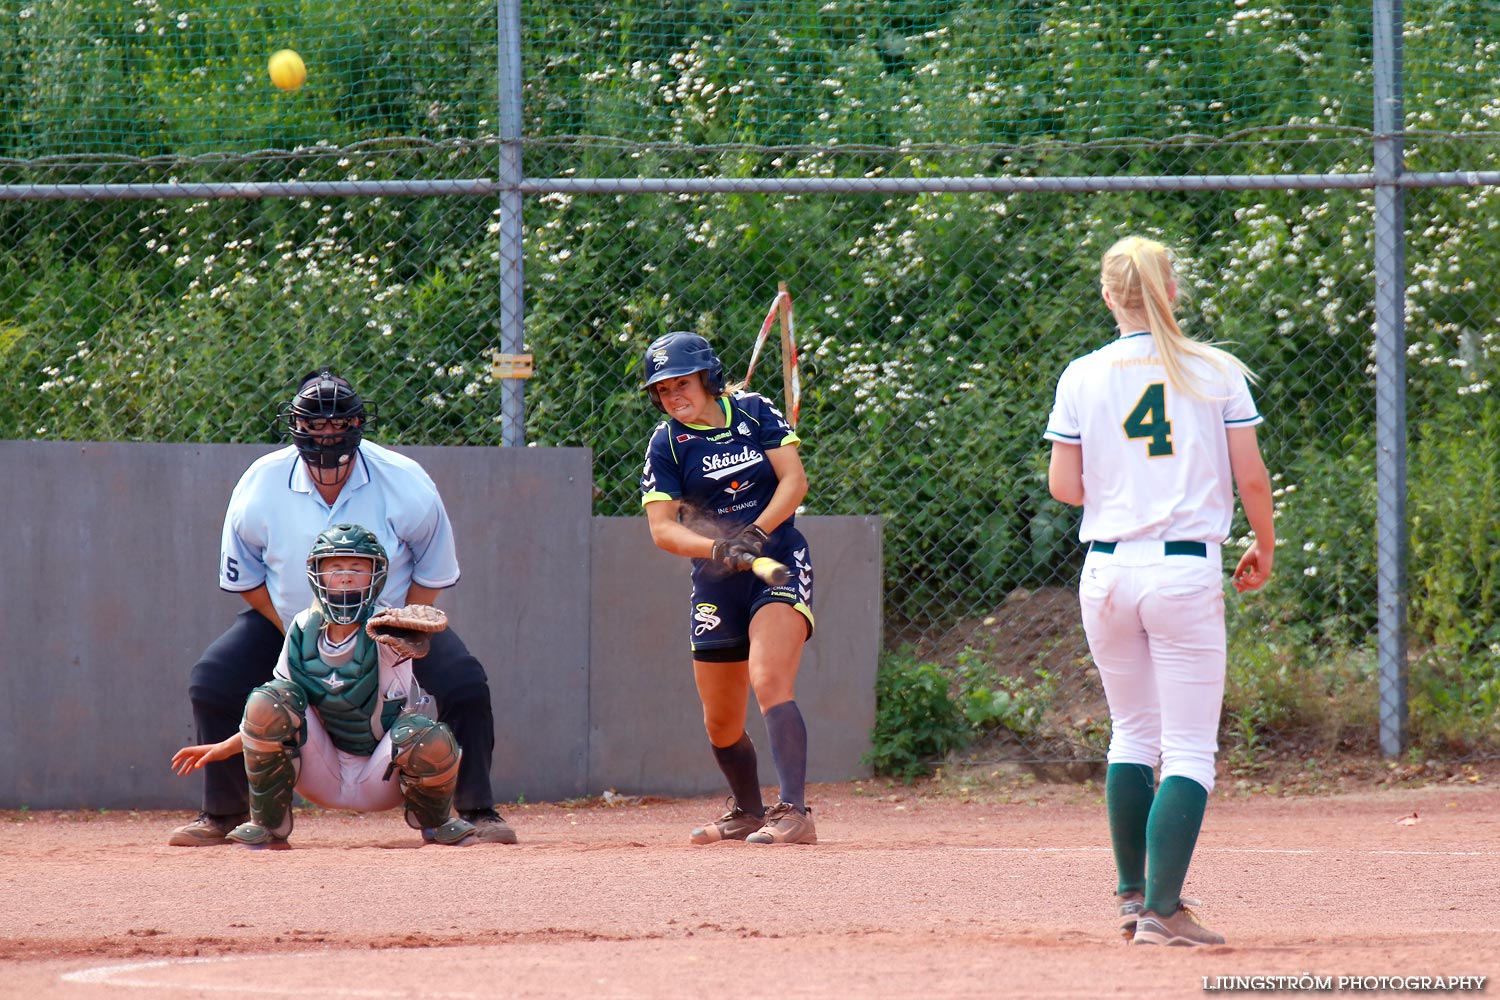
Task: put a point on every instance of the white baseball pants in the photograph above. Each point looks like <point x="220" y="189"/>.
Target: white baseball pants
<point x="1155" y="626"/>
<point x="338" y="780"/>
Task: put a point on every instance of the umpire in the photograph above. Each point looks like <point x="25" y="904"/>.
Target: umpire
<point x="327" y="476"/>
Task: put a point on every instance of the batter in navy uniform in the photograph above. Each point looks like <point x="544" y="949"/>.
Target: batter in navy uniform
<point x="721" y="486"/>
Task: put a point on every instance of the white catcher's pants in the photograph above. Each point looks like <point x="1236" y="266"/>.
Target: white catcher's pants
<point x="337" y="780"/>
<point x="1155" y="625"/>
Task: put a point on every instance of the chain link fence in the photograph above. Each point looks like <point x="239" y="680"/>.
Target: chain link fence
<point x="932" y="320"/>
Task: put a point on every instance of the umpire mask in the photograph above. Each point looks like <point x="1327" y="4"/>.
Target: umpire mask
<point x="326" y="421"/>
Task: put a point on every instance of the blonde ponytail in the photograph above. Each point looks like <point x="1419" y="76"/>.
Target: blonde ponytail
<point x="1137" y="274"/>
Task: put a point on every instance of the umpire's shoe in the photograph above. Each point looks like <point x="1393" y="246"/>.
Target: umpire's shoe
<point x="489" y="826"/>
<point x="207" y="830"/>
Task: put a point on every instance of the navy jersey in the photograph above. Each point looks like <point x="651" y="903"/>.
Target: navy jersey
<point x="720" y="474"/>
<point x="724" y="480"/>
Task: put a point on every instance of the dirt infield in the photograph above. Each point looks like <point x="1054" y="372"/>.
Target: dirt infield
<point x="906" y="895"/>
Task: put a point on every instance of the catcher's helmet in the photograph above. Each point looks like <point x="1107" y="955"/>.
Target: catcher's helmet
<point x="676" y="354"/>
<point x="326" y="420"/>
<point x="347" y="607"/>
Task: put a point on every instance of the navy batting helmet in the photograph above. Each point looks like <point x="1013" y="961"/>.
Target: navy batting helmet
<point x="680" y="353"/>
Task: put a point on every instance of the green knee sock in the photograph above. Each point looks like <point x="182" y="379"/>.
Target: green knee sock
<point x="1171" y="835"/>
<point x="1128" y="791"/>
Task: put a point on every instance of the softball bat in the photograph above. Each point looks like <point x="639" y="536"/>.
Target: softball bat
<point x="767" y="569"/>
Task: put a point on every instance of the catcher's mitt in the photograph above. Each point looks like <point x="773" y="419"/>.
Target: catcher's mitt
<point x="407" y="630"/>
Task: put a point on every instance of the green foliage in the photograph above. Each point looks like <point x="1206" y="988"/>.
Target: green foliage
<point x="1455" y="533"/>
<point x="933" y="326"/>
<point x="138" y="321"/>
<point x="1454" y="604"/>
<point x="1455" y="699"/>
<point x="924" y="711"/>
<point x="1455" y="682"/>
<point x="1290" y="680"/>
<point x="924" y="71"/>
<point x="990" y="700"/>
<point x="916" y="717"/>
<point x="151" y="79"/>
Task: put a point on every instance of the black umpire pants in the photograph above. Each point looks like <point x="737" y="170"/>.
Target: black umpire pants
<point x="244" y="657"/>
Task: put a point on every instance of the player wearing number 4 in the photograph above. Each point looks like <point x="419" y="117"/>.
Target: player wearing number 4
<point x="342" y="713"/>
<point x="721" y="485"/>
<point x="1151" y="435"/>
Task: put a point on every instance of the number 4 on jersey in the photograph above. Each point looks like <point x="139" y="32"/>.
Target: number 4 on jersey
<point x="1149" y="420"/>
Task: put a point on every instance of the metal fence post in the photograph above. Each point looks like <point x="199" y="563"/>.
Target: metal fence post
<point x="1390" y="379"/>
<point x="509" y="176"/>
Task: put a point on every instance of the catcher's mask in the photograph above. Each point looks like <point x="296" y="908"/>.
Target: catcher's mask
<point x="347" y="607"/>
<point x="326" y="420"/>
<point x="676" y="354"/>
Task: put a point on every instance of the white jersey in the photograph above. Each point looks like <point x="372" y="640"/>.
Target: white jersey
<point x="1155" y="459"/>
<point x="276" y="513"/>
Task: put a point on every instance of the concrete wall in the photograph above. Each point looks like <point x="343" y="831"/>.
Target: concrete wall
<point x="108" y="592"/>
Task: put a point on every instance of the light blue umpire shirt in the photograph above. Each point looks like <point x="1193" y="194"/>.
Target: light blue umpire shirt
<point x="276" y="513"/>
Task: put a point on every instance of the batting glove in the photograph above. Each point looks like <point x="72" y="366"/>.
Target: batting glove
<point x="726" y="554"/>
<point x="751" y="540"/>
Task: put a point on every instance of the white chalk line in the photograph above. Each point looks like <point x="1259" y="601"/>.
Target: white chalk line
<point x="1454" y="854"/>
<point x="127" y="975"/>
<point x="1032" y="850"/>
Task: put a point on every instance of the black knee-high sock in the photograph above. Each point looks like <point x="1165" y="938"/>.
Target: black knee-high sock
<point x="789" y="750"/>
<point x="738" y="763"/>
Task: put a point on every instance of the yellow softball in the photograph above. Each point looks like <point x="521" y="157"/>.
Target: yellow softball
<point x="287" y="70"/>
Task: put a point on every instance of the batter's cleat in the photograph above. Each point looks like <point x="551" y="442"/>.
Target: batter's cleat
<point x="207" y="830"/>
<point x="786" y="824"/>
<point x="454" y="833"/>
<point x="489" y="826"/>
<point x="1182" y="929"/>
<point x="736" y="824"/>
<point x="1131" y="903"/>
<point x="256" y="838"/>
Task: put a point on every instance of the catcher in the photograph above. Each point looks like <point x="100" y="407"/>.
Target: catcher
<point x="343" y="713"/>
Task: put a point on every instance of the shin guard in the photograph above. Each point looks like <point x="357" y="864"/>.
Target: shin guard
<point x="426" y="756"/>
<point x="273" y="729"/>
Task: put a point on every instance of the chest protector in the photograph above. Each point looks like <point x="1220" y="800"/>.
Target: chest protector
<point x="347" y="698"/>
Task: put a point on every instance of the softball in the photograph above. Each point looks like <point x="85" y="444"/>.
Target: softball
<point x="287" y="70"/>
